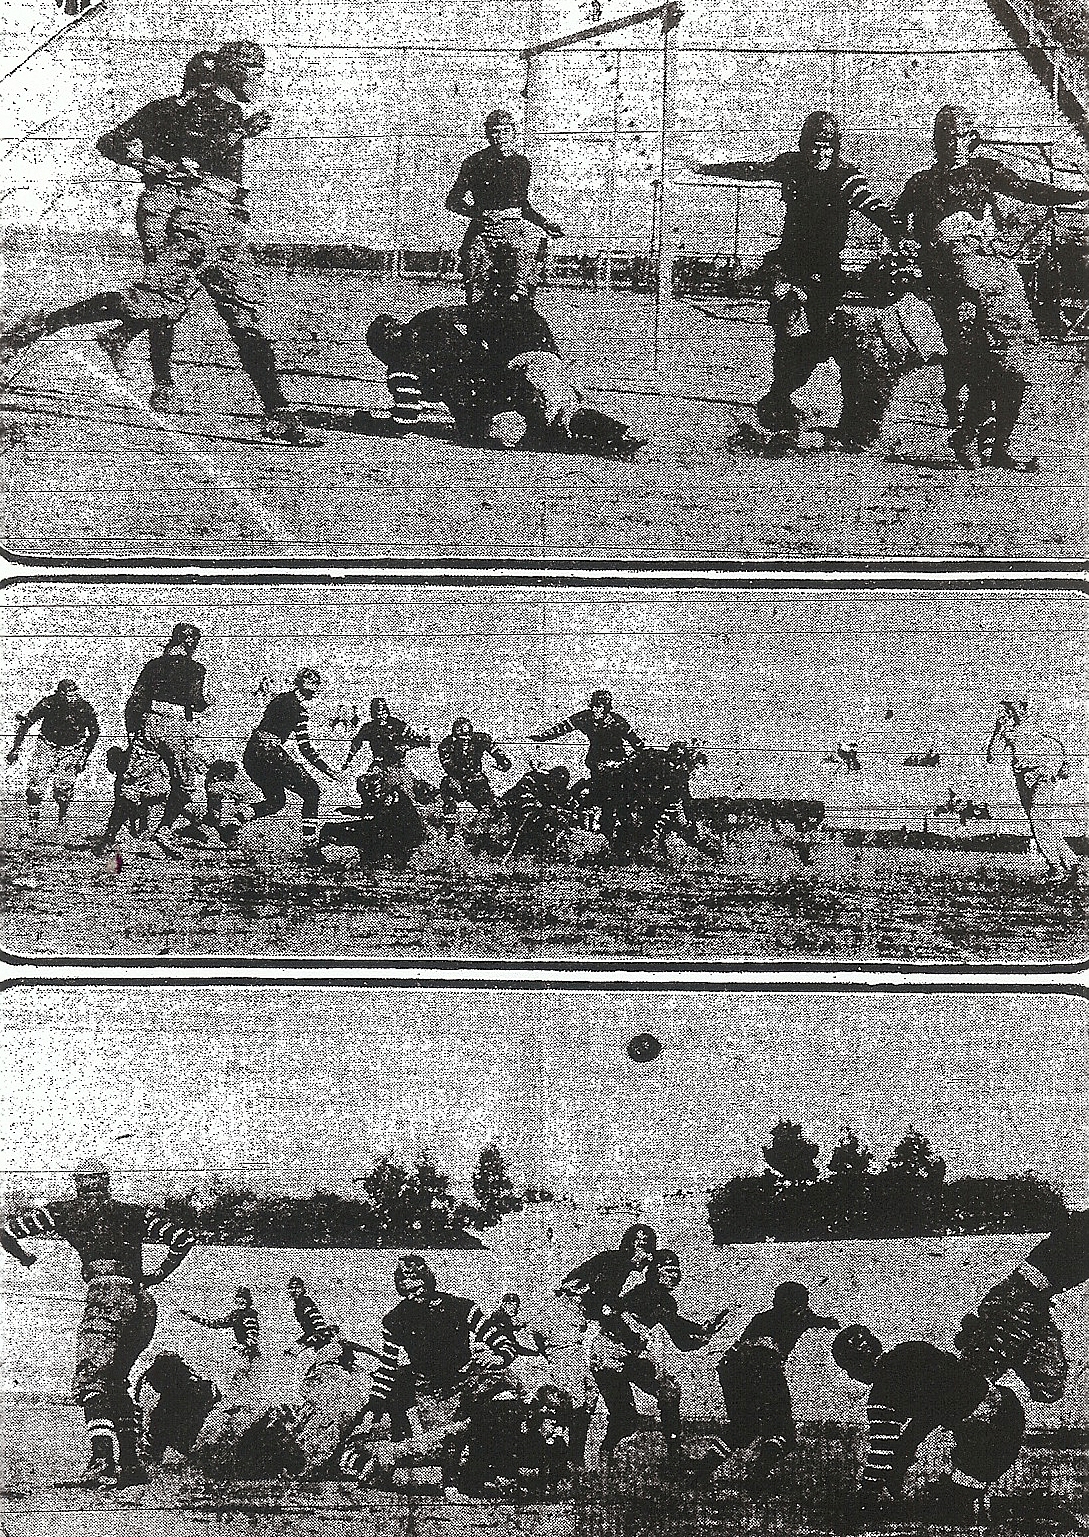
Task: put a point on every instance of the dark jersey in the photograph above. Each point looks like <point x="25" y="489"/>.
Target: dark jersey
<point x="535" y="791"/>
<point x="783" y="1330"/>
<point x="286" y="716"/>
<point x="389" y="741"/>
<point x="211" y="133"/>
<point x="176" y="1420"/>
<point x="971" y="187"/>
<point x="489" y="181"/>
<point x="462" y="757"/>
<point x="153" y="130"/>
<point x="818" y="210"/>
<point x="435" y="1335"/>
<point x="439" y="344"/>
<point x="507" y="330"/>
<point x="172" y="678"/>
<point x="653" y="1304"/>
<point x="608" y="737"/>
<point x="314" y="1331"/>
<point x="917" y="1381"/>
<point x="107" y="1235"/>
<point x="62" y="724"/>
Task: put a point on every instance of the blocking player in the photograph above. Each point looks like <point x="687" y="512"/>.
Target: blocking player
<point x="915" y="1389"/>
<point x="462" y="755"/>
<point x="119" y="1315"/>
<point x="67" y="734"/>
<point x="1038" y="763"/>
<point x="952" y="211"/>
<point x="611" y="740"/>
<point x="804" y="273"/>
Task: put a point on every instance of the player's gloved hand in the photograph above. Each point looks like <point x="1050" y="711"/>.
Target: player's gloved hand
<point x="13" y="757"/>
<point x="425" y="740"/>
<point x="557" y="231"/>
<point x="257" y="122"/>
<point x="27" y="1260"/>
<point x="502" y="760"/>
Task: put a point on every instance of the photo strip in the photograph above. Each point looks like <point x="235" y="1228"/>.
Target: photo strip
<point x="847" y="775"/>
<point x="544" y="281"/>
<point x="347" y="1258"/>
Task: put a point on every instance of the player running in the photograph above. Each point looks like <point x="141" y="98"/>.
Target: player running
<point x="611" y="739"/>
<point x="272" y="768"/>
<point x="804" y="273"/>
<point x="951" y="209"/>
<point x="620" y="1358"/>
<point x="1038" y="763"/>
<point x="67" y="734"/>
<point x="204" y="246"/>
<point x="242" y="1320"/>
<point x="390" y="741"/>
<point x="491" y="190"/>
<point x="915" y="1389"/>
<point x="159" y="716"/>
<point x="147" y="143"/>
<point x="462" y="755"/>
<point x="119" y="1316"/>
<point x="754" y="1384"/>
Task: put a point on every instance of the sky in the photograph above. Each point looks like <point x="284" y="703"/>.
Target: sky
<point x="768" y="679"/>
<point x="355" y="112"/>
<point x="286" y="1089"/>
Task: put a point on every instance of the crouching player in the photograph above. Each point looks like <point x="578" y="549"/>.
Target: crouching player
<point x="915" y="1389"/>
<point x="1012" y="1328"/>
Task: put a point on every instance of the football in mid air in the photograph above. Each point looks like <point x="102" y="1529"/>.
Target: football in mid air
<point x="644" y="1047"/>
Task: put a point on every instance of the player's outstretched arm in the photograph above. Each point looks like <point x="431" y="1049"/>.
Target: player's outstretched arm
<point x="1027" y="190"/>
<point x="736" y="170"/>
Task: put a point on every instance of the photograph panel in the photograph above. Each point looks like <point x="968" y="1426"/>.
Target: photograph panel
<point x="542" y="282"/>
<point x="514" y="774"/>
<point x="528" y="1269"/>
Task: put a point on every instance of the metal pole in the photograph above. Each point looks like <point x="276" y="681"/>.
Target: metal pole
<point x="670" y="20"/>
<point x="531" y="127"/>
<point x="399" y="168"/>
<point x="610" y="220"/>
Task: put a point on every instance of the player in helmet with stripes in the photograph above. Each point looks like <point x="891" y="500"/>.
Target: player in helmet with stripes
<point x="119" y="1315"/>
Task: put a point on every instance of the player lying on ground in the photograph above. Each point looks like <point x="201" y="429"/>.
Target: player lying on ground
<point x="119" y="1315"/>
<point x="478" y="363"/>
<point x="492" y="191"/>
<point x="203" y="246"/>
<point x="67" y="735"/>
<point x="953" y="213"/>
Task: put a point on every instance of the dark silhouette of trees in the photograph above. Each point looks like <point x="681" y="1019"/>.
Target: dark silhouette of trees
<point x="393" y="1207"/>
<point x="791" y="1154"/>
<point x="910" y="1196"/>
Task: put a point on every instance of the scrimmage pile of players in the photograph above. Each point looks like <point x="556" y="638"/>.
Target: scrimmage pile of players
<point x="962" y="298"/>
<point x="468" y="1404"/>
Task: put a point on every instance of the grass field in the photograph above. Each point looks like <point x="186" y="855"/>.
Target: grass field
<point x="88" y="472"/>
<point x="754" y="900"/>
<point x="907" y="1287"/>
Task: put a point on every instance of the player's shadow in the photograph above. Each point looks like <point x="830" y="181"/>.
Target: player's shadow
<point x="923" y="462"/>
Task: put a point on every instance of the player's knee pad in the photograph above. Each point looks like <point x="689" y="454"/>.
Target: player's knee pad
<point x="987" y="1443"/>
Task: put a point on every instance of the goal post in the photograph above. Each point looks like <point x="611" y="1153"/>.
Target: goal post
<point x="669" y="16"/>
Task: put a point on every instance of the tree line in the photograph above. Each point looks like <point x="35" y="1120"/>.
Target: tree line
<point x="394" y="1207"/>
<point x="792" y="1200"/>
